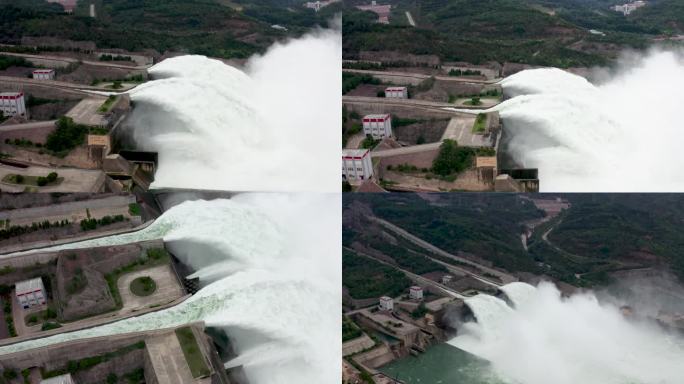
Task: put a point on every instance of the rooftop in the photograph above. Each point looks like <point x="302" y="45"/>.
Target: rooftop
<point x="357" y="153"/>
<point x="29" y="285"/>
<point x="383" y="116"/>
<point x="61" y="379"/>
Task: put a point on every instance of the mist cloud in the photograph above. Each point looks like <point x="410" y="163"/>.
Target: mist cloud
<point x="623" y="135"/>
<point x="269" y="128"/>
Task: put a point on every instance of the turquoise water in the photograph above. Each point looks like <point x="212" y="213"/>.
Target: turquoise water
<point x="442" y="364"/>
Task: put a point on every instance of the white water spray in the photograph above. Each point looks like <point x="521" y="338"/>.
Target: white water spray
<point x="270" y="128"/>
<point x="624" y="135"/>
<point x="548" y="339"/>
<point x="270" y="269"/>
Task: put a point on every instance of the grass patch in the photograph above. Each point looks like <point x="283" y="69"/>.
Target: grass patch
<point x="480" y="123"/>
<point x="143" y="286"/>
<point x="42" y="316"/>
<point x="134" y="209"/>
<point x="107" y="105"/>
<point x="193" y="355"/>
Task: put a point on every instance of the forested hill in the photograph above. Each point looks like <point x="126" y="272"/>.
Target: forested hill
<point x="541" y="32"/>
<point x="218" y="28"/>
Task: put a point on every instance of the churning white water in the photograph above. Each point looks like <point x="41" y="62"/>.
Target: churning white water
<point x="270" y="269"/>
<point x="623" y="135"/>
<point x="550" y="339"/>
<point x="269" y="128"/>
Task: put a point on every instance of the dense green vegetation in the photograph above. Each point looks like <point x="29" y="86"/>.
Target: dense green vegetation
<point x="539" y="32"/>
<point x="207" y="27"/>
<point x="405" y="257"/>
<point x="485" y="225"/>
<point x="452" y="159"/>
<point x="11" y="61"/>
<point x="349" y="329"/>
<point x="17" y="230"/>
<point x="90" y="224"/>
<point x="352" y="80"/>
<point x="67" y="136"/>
<point x="366" y="278"/>
<point x="599" y="234"/>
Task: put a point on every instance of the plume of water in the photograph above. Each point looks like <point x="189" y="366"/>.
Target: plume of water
<point x="269" y="266"/>
<point x="269" y="128"/>
<point x="623" y="135"/>
<point x="549" y="339"/>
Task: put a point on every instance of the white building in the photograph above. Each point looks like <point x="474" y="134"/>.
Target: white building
<point x="386" y="303"/>
<point x="416" y="293"/>
<point x="378" y="126"/>
<point x="30" y="293"/>
<point x="356" y="164"/>
<point x="446" y="279"/>
<point x="61" y="379"/>
<point x="44" y="74"/>
<point x="12" y="104"/>
<point x="396" y="93"/>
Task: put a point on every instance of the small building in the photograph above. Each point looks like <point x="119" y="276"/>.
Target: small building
<point x="446" y="279"/>
<point x="99" y="146"/>
<point x="416" y="293"/>
<point x="396" y="93"/>
<point x="356" y="164"/>
<point x="61" y="379"/>
<point x="30" y="293"/>
<point x="378" y="126"/>
<point x="386" y="303"/>
<point x="44" y="74"/>
<point x="12" y="104"/>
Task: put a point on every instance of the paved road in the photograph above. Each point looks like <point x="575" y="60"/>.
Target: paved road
<point x="420" y="76"/>
<point x="434" y="106"/>
<point x="409" y="17"/>
<point x="74" y="61"/>
<point x="86" y="111"/>
<point x="504" y="277"/>
<point x="354" y="142"/>
<point x="38" y="124"/>
<point x="406" y="150"/>
<point x="77" y="88"/>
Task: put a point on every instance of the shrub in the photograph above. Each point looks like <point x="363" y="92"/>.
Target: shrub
<point x="52" y="176"/>
<point x="19" y="179"/>
<point x="42" y="181"/>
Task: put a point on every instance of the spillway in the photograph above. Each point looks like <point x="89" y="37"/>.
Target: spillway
<point x="270" y="270"/>
<point x="268" y="127"/>
<point x="622" y="135"/>
<point x="550" y="339"/>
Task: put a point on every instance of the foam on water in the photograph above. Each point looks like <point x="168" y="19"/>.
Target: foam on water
<point x="270" y="269"/>
<point x="549" y="339"/>
<point x="623" y="135"/>
<point x="269" y="128"/>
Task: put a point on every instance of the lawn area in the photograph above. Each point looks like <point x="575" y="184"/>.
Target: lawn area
<point x="192" y="353"/>
<point x="29" y="180"/>
<point x="143" y="286"/>
<point x="480" y="123"/>
<point x="107" y="105"/>
<point x="134" y="209"/>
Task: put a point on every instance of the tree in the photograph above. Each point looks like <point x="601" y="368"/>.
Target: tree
<point x="51" y="177"/>
<point x="112" y="378"/>
<point x="452" y="158"/>
<point x="42" y="181"/>
<point x="346" y="187"/>
<point x="19" y="179"/>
